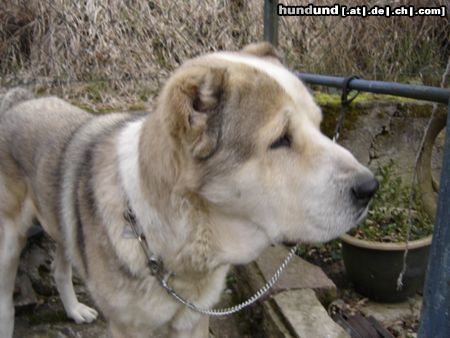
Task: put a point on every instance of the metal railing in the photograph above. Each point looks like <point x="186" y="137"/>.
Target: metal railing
<point x="427" y="93"/>
<point x="435" y="315"/>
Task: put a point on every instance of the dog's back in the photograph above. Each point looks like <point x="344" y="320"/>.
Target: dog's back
<point x="34" y="133"/>
<point x="33" y="136"/>
<point x="14" y="97"/>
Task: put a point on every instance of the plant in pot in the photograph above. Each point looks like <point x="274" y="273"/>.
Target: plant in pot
<point x="373" y="252"/>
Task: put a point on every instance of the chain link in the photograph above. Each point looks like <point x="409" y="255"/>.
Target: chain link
<point x="236" y="308"/>
<point x="157" y="269"/>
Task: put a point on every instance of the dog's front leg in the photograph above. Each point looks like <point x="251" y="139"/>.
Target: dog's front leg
<point x="79" y="312"/>
<point x="200" y="330"/>
<point x="11" y="244"/>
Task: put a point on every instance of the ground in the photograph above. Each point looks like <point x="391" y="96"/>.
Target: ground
<point x="40" y="313"/>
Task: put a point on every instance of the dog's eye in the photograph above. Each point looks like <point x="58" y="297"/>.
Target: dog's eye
<point x="283" y="141"/>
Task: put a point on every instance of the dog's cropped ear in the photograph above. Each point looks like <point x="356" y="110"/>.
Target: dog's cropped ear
<point x="200" y="97"/>
<point x="263" y="50"/>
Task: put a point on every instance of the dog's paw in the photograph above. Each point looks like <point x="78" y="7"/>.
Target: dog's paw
<point x="81" y="313"/>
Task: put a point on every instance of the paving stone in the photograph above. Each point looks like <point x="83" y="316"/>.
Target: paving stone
<point x="63" y="330"/>
<point x="389" y="313"/>
<point x="39" y="310"/>
<point x="24" y="294"/>
<point x="299" y="273"/>
<point x="306" y="315"/>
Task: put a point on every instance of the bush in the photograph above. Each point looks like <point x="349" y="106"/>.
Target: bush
<point x="387" y="219"/>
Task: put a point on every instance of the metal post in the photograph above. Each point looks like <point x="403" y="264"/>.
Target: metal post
<point x="435" y="317"/>
<point x="271" y="22"/>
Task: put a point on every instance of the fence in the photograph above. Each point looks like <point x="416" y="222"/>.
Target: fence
<point x="435" y="316"/>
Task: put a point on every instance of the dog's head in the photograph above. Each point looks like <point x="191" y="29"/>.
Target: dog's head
<point x="249" y="131"/>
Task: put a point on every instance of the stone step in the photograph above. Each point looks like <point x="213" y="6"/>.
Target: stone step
<point x="299" y="274"/>
<point x="292" y="308"/>
<point x="306" y="316"/>
<point x="389" y="314"/>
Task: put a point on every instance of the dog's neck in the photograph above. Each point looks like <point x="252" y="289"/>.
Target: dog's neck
<point x="170" y="223"/>
<point x="239" y="241"/>
<point x="187" y="234"/>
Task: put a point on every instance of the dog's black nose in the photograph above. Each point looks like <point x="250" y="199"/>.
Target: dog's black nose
<point x="364" y="188"/>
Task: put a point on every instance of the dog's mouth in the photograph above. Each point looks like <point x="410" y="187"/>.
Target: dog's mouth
<point x="359" y="216"/>
<point x="362" y="213"/>
<point x="289" y="243"/>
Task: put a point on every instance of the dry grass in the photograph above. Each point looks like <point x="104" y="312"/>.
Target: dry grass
<point x="117" y="53"/>
<point x="395" y="48"/>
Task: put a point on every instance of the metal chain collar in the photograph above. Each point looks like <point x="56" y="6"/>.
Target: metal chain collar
<point x="157" y="269"/>
<point x="236" y="308"/>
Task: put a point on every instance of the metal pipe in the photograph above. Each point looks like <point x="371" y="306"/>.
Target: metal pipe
<point x="426" y="93"/>
<point x="271" y="22"/>
<point x="435" y="316"/>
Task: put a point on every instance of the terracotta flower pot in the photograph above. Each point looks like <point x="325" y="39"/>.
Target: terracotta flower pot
<point x="374" y="267"/>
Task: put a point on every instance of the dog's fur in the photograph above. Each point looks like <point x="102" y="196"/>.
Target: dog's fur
<point x="231" y="160"/>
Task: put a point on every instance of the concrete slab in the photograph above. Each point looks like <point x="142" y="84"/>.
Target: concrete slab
<point x="306" y="315"/>
<point x="299" y="274"/>
<point x="390" y="313"/>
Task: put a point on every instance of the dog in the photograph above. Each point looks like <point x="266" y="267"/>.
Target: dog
<point x="230" y="161"/>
